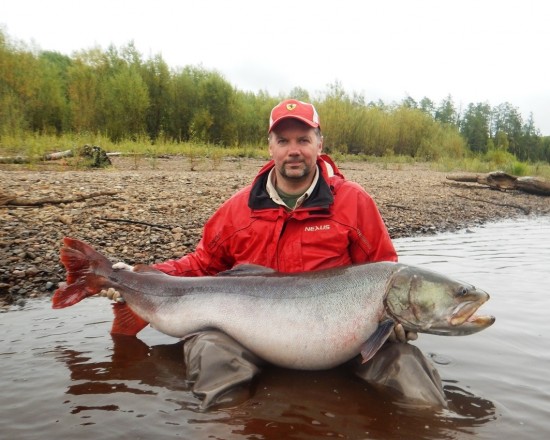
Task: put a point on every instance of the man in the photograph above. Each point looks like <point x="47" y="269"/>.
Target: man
<point x="299" y="214"/>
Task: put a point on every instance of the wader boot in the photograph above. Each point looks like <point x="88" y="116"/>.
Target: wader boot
<point x="219" y="369"/>
<point x="406" y="372"/>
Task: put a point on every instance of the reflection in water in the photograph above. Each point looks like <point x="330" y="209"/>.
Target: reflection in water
<point x="133" y="366"/>
<point x="295" y="404"/>
<point x="285" y="403"/>
<point x="132" y="360"/>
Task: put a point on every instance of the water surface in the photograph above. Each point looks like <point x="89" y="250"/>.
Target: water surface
<point x="63" y="376"/>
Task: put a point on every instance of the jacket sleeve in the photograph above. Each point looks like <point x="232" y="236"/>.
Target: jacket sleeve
<point x="192" y="264"/>
<point x="371" y="241"/>
<point x="208" y="258"/>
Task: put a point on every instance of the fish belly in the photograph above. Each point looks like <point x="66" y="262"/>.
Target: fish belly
<point x="301" y="333"/>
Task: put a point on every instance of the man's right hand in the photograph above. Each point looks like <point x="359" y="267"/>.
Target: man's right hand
<point x="112" y="294"/>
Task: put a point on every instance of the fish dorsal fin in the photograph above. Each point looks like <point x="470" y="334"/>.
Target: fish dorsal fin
<point x="377" y="339"/>
<point x="143" y="268"/>
<point x="246" y="269"/>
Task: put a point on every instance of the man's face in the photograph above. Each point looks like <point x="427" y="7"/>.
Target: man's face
<point x="294" y="146"/>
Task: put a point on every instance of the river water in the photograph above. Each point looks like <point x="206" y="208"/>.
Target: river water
<point x="63" y="376"/>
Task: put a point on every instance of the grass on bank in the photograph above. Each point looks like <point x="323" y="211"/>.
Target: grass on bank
<point x="36" y="146"/>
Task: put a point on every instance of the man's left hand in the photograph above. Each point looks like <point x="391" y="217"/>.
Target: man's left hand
<point x="400" y="335"/>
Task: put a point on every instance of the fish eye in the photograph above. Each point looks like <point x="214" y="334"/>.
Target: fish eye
<point x="462" y="290"/>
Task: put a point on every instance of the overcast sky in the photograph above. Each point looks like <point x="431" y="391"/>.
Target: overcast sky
<point x="490" y="51"/>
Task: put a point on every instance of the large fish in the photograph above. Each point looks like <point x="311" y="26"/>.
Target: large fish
<point x="311" y="320"/>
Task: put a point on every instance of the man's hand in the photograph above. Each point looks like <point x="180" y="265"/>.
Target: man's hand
<point x="122" y="266"/>
<point x="400" y="335"/>
<point x="112" y="294"/>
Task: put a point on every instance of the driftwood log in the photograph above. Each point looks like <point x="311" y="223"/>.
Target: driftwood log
<point x="97" y="157"/>
<point x="13" y="200"/>
<point x="502" y="181"/>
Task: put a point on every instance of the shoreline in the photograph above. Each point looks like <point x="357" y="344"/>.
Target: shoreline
<point x="149" y="210"/>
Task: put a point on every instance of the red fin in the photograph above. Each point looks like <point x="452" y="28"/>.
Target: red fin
<point x="67" y="295"/>
<point x="86" y="272"/>
<point x="126" y="321"/>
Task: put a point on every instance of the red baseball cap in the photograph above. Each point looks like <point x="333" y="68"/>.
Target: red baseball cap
<point x="292" y="108"/>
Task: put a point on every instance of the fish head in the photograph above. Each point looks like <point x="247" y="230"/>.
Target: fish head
<point x="428" y="302"/>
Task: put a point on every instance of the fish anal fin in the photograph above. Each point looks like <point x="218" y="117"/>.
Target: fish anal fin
<point x="126" y="321"/>
<point x="377" y="339"/>
<point x="247" y="269"/>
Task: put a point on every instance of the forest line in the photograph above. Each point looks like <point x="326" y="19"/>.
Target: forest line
<point x="122" y="95"/>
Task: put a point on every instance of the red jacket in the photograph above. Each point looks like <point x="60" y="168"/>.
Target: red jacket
<point x="337" y="225"/>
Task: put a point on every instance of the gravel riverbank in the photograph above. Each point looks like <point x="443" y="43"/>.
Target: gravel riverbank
<point x="151" y="210"/>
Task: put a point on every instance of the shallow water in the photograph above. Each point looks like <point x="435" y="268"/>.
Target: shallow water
<point x="63" y="376"/>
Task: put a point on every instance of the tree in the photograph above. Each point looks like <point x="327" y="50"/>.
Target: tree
<point x="531" y="140"/>
<point x="83" y="93"/>
<point x="427" y="106"/>
<point x="413" y="126"/>
<point x="252" y="111"/>
<point x="475" y="126"/>
<point x="124" y="99"/>
<point x="215" y="121"/>
<point x="51" y="111"/>
<point x="17" y="67"/>
<point x="545" y="148"/>
<point x="336" y="108"/>
<point x="446" y="112"/>
<point x="409" y="102"/>
<point x="507" y="119"/>
<point x="159" y="82"/>
<point x="300" y="94"/>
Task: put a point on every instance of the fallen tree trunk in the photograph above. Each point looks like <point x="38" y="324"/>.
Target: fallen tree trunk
<point x="502" y="181"/>
<point x="95" y="155"/>
<point x="26" y="159"/>
<point x="14" y="159"/>
<point x="13" y="200"/>
<point x="59" y="155"/>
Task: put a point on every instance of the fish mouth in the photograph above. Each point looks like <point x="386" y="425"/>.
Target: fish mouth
<point x="464" y="314"/>
<point x="482" y="321"/>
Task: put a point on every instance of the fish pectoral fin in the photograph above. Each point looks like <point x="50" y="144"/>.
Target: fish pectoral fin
<point x="242" y="270"/>
<point x="377" y="339"/>
<point x="126" y="321"/>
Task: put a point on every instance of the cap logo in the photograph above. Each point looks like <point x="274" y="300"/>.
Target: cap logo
<point x="290" y="107"/>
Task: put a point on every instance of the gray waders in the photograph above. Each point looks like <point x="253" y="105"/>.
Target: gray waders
<point x="220" y="370"/>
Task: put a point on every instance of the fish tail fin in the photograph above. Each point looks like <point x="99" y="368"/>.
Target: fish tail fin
<point x="126" y="321"/>
<point x="86" y="271"/>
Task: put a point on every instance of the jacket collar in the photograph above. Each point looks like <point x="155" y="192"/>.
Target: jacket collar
<point x="321" y="195"/>
<point x="272" y="190"/>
